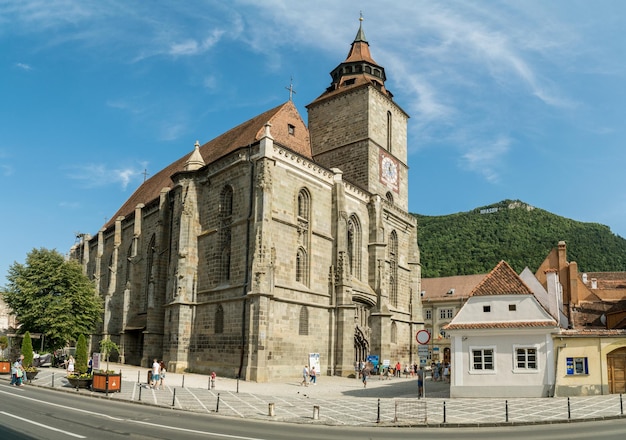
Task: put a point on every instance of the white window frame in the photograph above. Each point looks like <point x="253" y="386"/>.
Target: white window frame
<point x="526" y="370"/>
<point x="446" y="313"/>
<point x="429" y="314"/>
<point x="472" y="370"/>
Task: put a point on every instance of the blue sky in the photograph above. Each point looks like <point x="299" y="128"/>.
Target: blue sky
<point x="508" y="99"/>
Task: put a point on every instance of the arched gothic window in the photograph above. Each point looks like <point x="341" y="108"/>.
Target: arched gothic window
<point x="127" y="264"/>
<point x="389" y="197"/>
<point x="389" y="130"/>
<point x="303" y="214"/>
<point x="302" y="266"/>
<point x="393" y="266"/>
<point x="226" y="220"/>
<point x="354" y="246"/>
<point x="150" y="256"/>
<point x="226" y="202"/>
<point x="110" y="270"/>
<point x="304" y="204"/>
<point x="219" y="320"/>
<point x="394" y="333"/>
<point x="303" y="323"/>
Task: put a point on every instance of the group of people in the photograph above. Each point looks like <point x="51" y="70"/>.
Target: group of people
<point x="158" y="375"/>
<point x="441" y="372"/>
<point x="308" y="376"/>
<point x="18" y="373"/>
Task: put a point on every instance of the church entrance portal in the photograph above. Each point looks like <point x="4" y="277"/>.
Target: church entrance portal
<point x="361" y="346"/>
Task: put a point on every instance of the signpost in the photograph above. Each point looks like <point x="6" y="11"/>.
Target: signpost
<point x="423" y="338"/>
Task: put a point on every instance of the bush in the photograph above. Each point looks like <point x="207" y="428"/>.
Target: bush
<point x="81" y="355"/>
<point x="27" y="350"/>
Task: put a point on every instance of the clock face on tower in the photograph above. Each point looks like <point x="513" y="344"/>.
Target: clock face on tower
<point x="389" y="171"/>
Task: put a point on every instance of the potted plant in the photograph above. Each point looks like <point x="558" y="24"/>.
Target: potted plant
<point x="82" y="378"/>
<point x="5" y="364"/>
<point x="107" y="380"/>
<point x="27" y="352"/>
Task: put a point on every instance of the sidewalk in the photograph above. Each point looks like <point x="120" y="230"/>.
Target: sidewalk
<point x="340" y="401"/>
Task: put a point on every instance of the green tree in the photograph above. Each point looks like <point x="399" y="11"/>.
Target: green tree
<point x="4" y="343"/>
<point x="27" y="350"/>
<point x="52" y="296"/>
<point x="81" y="354"/>
<point x="107" y="346"/>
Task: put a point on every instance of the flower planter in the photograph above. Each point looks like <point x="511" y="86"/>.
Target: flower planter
<point x="79" y="383"/>
<point x="5" y="367"/>
<point x="30" y="375"/>
<point x="107" y="383"/>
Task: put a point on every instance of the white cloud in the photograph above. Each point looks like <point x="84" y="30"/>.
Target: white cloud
<point x="172" y="130"/>
<point x="23" y="66"/>
<point x="69" y="205"/>
<point x="487" y="158"/>
<point x="93" y="176"/>
<point x="210" y="82"/>
<point x="193" y="47"/>
<point x="6" y="170"/>
<point x="129" y="105"/>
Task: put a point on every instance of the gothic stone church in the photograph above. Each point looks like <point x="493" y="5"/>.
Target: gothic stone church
<point x="271" y="242"/>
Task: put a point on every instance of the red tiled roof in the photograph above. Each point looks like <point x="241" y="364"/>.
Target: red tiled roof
<point x="243" y="135"/>
<point x="504" y="324"/>
<point x="502" y="280"/>
<point x="592" y="332"/>
<point x="438" y="288"/>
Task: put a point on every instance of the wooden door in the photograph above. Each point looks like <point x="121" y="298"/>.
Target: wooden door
<point x="616" y="361"/>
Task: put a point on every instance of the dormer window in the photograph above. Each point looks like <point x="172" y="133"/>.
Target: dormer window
<point x="349" y="82"/>
<point x="486" y="309"/>
<point x="291" y="129"/>
<point x="512" y="307"/>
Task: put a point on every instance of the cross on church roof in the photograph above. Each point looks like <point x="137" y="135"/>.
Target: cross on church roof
<point x="291" y="90"/>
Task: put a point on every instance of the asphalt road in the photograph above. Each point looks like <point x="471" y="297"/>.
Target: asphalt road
<point x="36" y="413"/>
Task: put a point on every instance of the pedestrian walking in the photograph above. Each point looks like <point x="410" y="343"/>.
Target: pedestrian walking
<point x="305" y="376"/>
<point x="156" y="369"/>
<point x="313" y="376"/>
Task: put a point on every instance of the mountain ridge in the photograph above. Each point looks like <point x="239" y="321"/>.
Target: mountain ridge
<point x="473" y="242"/>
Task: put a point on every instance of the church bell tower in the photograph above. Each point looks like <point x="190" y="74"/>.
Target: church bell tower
<point x="357" y="127"/>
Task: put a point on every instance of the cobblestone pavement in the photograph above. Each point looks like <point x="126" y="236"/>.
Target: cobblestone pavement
<point x="340" y="401"/>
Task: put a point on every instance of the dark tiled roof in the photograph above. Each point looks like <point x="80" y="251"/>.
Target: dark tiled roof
<point x="502" y="280"/>
<point x="243" y="135"/>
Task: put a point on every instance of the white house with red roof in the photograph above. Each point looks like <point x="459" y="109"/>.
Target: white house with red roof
<point x="502" y="340"/>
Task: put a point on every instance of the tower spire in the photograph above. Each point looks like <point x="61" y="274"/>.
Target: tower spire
<point x="360" y="35"/>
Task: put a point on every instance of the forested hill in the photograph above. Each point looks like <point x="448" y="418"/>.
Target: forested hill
<point x="474" y="242"/>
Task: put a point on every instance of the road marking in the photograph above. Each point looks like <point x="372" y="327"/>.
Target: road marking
<point x="42" y="425"/>
<point x="215" y="434"/>
<point x="195" y="431"/>
<point x="63" y="406"/>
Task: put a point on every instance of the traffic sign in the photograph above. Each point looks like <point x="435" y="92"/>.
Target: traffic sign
<point x="422" y="337"/>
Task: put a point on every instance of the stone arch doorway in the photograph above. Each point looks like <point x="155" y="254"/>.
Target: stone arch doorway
<point x="616" y="364"/>
<point x="362" y="330"/>
<point x="361" y="346"/>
